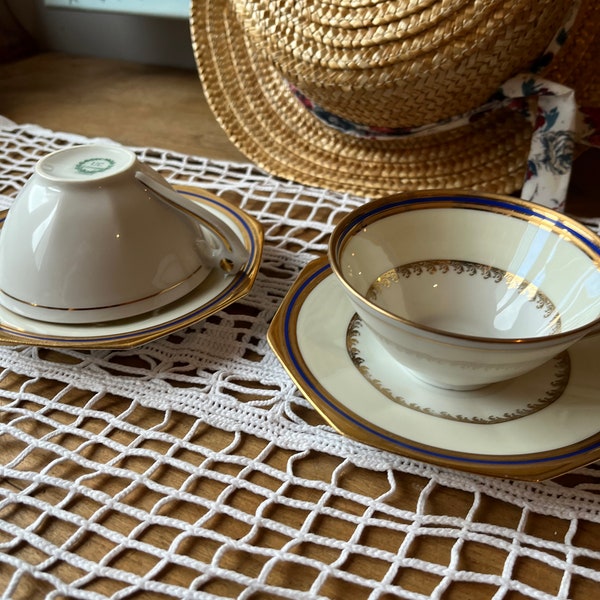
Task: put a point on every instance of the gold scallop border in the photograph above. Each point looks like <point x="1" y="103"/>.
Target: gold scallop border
<point x="440" y="199"/>
<point x="561" y="369"/>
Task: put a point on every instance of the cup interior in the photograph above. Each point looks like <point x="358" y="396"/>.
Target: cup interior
<point x="471" y="266"/>
<point x="465" y="298"/>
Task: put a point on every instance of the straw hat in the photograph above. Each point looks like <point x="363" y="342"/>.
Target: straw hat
<point x="323" y="92"/>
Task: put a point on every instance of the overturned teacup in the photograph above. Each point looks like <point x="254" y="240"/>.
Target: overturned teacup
<point x="96" y="235"/>
<point x="468" y="289"/>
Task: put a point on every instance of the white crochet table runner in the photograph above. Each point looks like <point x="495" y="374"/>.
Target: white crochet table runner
<point x="223" y="373"/>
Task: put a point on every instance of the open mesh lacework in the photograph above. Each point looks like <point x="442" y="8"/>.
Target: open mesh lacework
<point x="226" y="437"/>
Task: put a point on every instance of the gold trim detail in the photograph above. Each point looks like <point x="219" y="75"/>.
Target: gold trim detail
<point x="93" y="308"/>
<point x="561" y="370"/>
<point x="472" y="269"/>
<point x="282" y="336"/>
<point x="133" y="331"/>
<point x="546" y="219"/>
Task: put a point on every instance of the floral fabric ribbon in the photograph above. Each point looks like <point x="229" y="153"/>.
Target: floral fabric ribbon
<point x="558" y="123"/>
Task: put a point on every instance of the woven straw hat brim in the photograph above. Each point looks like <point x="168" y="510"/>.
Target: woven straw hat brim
<point x="268" y="124"/>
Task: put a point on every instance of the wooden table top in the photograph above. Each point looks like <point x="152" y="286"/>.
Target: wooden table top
<point x="137" y="105"/>
<point x="159" y="107"/>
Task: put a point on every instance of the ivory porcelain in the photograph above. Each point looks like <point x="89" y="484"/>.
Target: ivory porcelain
<point x="464" y="289"/>
<point x="95" y="235"/>
<point x="216" y="292"/>
<point x="539" y="425"/>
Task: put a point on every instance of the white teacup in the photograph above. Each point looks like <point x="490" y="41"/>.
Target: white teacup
<point x="468" y="289"/>
<point x="95" y="235"/>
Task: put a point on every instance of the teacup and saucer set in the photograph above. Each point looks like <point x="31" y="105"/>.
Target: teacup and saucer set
<point x="454" y="328"/>
<point x="99" y="251"/>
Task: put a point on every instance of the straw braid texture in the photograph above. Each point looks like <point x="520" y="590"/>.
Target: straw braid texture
<point x="576" y="65"/>
<point x="399" y="64"/>
<point x="254" y="106"/>
<point x="253" y="103"/>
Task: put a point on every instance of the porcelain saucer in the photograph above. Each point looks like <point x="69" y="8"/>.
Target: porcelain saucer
<point x="215" y="293"/>
<point x="540" y="425"/>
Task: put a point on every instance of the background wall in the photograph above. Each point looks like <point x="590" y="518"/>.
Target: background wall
<point x="145" y="38"/>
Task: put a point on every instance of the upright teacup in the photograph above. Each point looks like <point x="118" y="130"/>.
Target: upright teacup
<point x="468" y="289"/>
<point x="96" y="235"/>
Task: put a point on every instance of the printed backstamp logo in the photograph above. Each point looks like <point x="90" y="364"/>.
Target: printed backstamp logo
<point x="91" y="166"/>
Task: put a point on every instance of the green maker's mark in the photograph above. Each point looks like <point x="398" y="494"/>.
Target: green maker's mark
<point x="91" y="166"/>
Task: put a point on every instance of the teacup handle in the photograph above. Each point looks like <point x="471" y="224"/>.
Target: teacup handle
<point x="232" y="254"/>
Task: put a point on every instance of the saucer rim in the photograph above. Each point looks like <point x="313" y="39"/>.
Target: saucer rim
<point x="116" y="336"/>
<point x="535" y="466"/>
